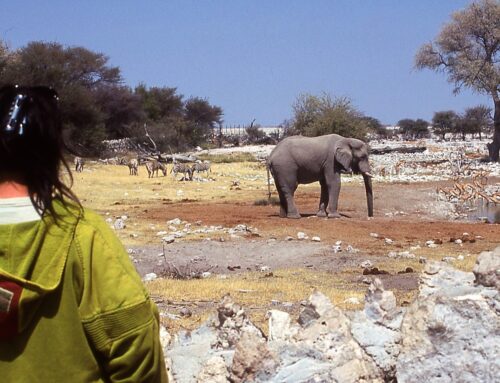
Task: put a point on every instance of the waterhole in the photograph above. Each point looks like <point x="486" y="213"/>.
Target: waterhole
<point x="487" y="212"/>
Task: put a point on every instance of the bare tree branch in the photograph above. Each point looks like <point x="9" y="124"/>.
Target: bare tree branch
<point x="155" y="148"/>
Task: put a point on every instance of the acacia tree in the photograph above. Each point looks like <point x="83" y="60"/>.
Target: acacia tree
<point x="375" y="127"/>
<point x="444" y="122"/>
<point x="477" y="120"/>
<point x="463" y="127"/>
<point x="413" y="129"/>
<point x="467" y="49"/>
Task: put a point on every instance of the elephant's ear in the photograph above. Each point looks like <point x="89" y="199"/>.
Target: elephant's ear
<point x="343" y="156"/>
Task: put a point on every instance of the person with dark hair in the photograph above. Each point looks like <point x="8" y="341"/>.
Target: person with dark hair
<point x="72" y="306"/>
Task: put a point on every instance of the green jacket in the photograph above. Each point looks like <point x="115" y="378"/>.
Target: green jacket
<point x="72" y="306"/>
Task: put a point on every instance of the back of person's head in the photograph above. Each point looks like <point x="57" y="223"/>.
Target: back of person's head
<point x="31" y="144"/>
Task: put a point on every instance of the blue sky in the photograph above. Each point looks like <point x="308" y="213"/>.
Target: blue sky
<point x="253" y="58"/>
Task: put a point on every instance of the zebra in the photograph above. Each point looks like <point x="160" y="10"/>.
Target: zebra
<point x="133" y="164"/>
<point x="154" y="166"/>
<point x="79" y="164"/>
<point x="201" y="167"/>
<point x="184" y="169"/>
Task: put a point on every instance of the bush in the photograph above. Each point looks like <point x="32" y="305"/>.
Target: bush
<point x="255" y="133"/>
<point x="316" y="116"/>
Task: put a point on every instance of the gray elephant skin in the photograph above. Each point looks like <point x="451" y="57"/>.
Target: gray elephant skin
<point x="302" y="160"/>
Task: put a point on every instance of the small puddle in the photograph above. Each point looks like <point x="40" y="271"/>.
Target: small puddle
<point x="486" y="212"/>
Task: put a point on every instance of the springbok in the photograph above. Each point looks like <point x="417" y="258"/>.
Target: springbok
<point x="154" y="166"/>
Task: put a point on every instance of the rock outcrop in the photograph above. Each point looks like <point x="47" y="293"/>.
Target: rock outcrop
<point x="376" y="328"/>
<point x="487" y="268"/>
<point x="450" y="333"/>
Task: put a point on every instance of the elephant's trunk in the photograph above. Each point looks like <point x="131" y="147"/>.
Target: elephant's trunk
<point x="369" y="193"/>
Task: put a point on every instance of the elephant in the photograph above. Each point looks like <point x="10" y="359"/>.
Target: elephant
<point x="302" y="160"/>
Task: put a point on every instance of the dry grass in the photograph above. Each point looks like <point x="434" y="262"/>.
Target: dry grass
<point x="258" y="293"/>
<point x="111" y="191"/>
<point x="115" y="187"/>
<point x="257" y="288"/>
<point x="255" y="291"/>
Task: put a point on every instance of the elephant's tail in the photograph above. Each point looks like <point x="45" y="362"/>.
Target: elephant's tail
<point x="268" y="168"/>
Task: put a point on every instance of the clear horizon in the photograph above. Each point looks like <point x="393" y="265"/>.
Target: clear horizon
<point x="254" y="58"/>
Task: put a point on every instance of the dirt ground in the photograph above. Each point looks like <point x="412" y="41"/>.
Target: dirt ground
<point x="407" y="215"/>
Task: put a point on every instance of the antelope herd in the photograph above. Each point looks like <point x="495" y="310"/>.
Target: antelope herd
<point x="469" y="192"/>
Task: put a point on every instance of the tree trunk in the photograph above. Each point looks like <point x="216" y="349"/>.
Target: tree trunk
<point x="494" y="146"/>
<point x="219" y="136"/>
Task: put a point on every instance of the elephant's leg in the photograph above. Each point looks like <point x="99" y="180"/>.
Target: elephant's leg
<point x="288" y="190"/>
<point x="287" y="205"/>
<point x="323" y="202"/>
<point x="292" y="211"/>
<point x="285" y="180"/>
<point x="333" y="183"/>
<point x="282" y="202"/>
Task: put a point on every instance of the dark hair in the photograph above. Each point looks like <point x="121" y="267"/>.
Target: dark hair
<point x="31" y="145"/>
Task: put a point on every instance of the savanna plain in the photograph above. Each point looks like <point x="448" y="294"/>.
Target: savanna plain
<point x="218" y="235"/>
